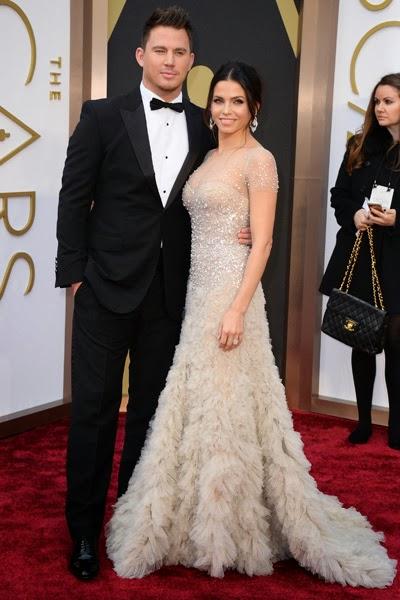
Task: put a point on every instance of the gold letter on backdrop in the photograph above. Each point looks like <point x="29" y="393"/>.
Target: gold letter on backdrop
<point x="359" y="47"/>
<point x="5" y="196"/>
<point x="11" y="262"/>
<point x="33" y="135"/>
<point x="31" y="35"/>
<point x="380" y="6"/>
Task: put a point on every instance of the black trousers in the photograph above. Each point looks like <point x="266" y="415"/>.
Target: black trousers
<point x="100" y="342"/>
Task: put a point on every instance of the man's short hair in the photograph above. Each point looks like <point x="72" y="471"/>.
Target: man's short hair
<point x="172" y="16"/>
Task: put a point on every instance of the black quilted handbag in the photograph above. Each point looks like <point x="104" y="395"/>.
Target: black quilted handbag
<point x="351" y="320"/>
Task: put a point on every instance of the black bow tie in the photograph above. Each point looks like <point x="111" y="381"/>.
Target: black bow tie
<point x="155" y="104"/>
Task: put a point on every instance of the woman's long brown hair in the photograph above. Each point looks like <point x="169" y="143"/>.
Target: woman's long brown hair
<point x="371" y="128"/>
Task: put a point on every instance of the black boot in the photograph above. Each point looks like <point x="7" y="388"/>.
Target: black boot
<point x="361" y="434"/>
<point x="84" y="562"/>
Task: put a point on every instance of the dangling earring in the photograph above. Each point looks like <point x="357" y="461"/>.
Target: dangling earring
<point x="254" y="124"/>
<point x="211" y="123"/>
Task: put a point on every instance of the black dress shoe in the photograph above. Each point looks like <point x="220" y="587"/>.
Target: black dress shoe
<point x="360" y="435"/>
<point x="84" y="560"/>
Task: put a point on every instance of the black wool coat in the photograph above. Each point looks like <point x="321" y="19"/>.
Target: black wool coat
<point x="111" y="221"/>
<point x="347" y="196"/>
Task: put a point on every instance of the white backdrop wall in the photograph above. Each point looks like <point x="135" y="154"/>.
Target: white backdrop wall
<point x="32" y="324"/>
<point x="377" y="56"/>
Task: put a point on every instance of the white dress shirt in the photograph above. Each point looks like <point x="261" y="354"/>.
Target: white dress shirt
<point x="169" y="144"/>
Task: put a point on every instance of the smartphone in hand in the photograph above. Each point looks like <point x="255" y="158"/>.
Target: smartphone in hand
<point x="376" y="206"/>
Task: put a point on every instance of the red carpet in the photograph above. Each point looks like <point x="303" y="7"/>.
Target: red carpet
<point x="35" y="545"/>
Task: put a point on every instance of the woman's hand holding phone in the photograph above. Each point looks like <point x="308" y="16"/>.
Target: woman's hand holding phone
<point x="382" y="216"/>
<point x="376" y="206"/>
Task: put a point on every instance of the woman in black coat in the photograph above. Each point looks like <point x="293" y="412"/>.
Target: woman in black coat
<point x="372" y="159"/>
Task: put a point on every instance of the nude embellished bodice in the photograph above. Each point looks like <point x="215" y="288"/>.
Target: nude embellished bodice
<point x="217" y="197"/>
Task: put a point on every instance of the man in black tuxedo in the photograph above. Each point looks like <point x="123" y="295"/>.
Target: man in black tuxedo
<point x="124" y="247"/>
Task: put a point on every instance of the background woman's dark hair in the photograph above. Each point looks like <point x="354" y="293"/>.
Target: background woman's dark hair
<point x="172" y="16"/>
<point x="372" y="131"/>
<point x="244" y="75"/>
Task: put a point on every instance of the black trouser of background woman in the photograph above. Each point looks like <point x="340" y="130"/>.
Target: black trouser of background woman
<point x="364" y="370"/>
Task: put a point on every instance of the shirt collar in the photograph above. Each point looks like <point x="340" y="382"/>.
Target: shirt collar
<point x="147" y="95"/>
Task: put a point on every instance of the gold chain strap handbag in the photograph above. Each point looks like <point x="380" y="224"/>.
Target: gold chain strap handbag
<point x="351" y="320"/>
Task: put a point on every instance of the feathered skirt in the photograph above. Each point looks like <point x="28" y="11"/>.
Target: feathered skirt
<point x="223" y="482"/>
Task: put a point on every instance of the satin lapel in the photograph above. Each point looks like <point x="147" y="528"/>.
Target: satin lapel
<point x="135" y="123"/>
<point x="194" y="130"/>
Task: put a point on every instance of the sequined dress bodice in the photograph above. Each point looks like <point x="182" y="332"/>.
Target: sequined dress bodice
<point x="217" y="198"/>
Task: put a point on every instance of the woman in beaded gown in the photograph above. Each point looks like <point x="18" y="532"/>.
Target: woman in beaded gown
<point x="223" y="482"/>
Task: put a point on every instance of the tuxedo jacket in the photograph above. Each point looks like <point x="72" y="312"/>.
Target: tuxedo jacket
<point x="111" y="221"/>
